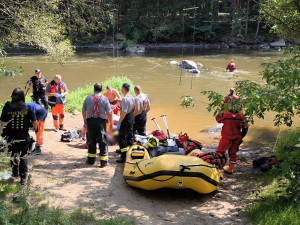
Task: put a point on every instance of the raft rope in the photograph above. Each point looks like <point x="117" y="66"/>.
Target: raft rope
<point x="179" y="172"/>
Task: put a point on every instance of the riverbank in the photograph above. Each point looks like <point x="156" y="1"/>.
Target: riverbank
<point x="62" y="174"/>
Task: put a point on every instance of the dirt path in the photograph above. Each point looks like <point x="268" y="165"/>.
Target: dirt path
<point x="61" y="171"/>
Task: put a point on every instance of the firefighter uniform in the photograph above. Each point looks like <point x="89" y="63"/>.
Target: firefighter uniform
<point x="41" y="115"/>
<point x="126" y="126"/>
<point x="140" y="119"/>
<point x="57" y="103"/>
<point x="97" y="106"/>
<point x="18" y="119"/>
<point x="234" y="129"/>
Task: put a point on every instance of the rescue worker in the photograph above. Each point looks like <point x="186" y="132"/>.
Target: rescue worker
<point x="94" y="111"/>
<point x="16" y="118"/>
<point x="39" y="83"/>
<point x="141" y="108"/>
<point x="113" y="97"/>
<point x="56" y="92"/>
<point x="231" y="66"/>
<point x="41" y="115"/>
<point x="232" y="95"/>
<point x="234" y="129"/>
<point x="126" y="122"/>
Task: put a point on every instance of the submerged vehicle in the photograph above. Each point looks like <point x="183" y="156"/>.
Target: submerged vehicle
<point x="170" y="171"/>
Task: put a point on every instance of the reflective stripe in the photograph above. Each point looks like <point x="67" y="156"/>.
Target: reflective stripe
<point x="104" y="158"/>
<point x="39" y="137"/>
<point x="91" y="155"/>
<point x="125" y="149"/>
<point x="232" y="162"/>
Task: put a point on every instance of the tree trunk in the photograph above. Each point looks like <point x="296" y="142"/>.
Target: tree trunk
<point x="257" y="28"/>
<point x="247" y="17"/>
<point x="69" y="17"/>
<point x="215" y="12"/>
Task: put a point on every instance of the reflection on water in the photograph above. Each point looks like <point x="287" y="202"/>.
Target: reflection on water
<point x="159" y="80"/>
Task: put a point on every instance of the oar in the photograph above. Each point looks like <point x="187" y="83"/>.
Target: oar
<point x="166" y="124"/>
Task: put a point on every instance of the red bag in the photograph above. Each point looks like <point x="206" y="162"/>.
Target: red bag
<point x="183" y="137"/>
<point x="159" y="135"/>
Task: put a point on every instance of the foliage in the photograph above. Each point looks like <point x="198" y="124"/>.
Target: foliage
<point x="36" y="23"/>
<point x="187" y="101"/>
<point x="75" y="99"/>
<point x="127" y="43"/>
<point x="284" y="15"/>
<point x="3" y="62"/>
<point x="279" y="203"/>
<point x="280" y="93"/>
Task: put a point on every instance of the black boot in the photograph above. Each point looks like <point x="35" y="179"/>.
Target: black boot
<point x="23" y="180"/>
<point x="36" y="151"/>
<point x="122" y="158"/>
<point x="103" y="164"/>
<point x="90" y="160"/>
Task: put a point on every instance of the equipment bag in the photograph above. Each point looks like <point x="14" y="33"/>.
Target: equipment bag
<point x="159" y="135"/>
<point x="70" y="135"/>
<point x="189" y="145"/>
<point x="183" y="137"/>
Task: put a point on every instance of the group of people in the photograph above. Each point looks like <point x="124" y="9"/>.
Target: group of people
<point x="17" y="117"/>
<point x="97" y="112"/>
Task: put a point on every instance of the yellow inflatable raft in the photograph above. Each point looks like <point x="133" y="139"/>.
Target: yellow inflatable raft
<point x="170" y="171"/>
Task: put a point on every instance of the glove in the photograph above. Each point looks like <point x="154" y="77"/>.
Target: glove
<point x="57" y="95"/>
<point x="118" y="126"/>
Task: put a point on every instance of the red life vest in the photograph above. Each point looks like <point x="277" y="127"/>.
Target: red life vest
<point x="228" y="98"/>
<point x="233" y="123"/>
<point x="96" y="106"/>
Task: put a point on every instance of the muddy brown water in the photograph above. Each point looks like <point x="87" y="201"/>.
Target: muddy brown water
<point x="161" y="81"/>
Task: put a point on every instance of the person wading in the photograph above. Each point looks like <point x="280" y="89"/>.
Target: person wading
<point x="231" y="66"/>
<point x="141" y="108"/>
<point x="126" y="122"/>
<point x="16" y="118"/>
<point x="231" y="96"/>
<point x="39" y="84"/>
<point x="113" y="97"/>
<point x="94" y="111"/>
<point x="41" y="115"/>
<point x="235" y="128"/>
<point x="56" y="92"/>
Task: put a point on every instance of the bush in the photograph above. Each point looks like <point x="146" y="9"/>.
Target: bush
<point x="76" y="98"/>
<point x="127" y="43"/>
<point x="279" y="203"/>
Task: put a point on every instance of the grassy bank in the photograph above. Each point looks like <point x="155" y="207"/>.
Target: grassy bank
<point x="278" y="203"/>
<point x="75" y="98"/>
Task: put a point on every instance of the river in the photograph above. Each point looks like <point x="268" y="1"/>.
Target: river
<point x="161" y="82"/>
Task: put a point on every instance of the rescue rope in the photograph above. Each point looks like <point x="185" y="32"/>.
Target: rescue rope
<point x="179" y="172"/>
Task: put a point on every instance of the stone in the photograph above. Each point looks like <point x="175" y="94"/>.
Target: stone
<point x="188" y="64"/>
<point x="264" y="47"/>
<point x="76" y="112"/>
<point x="135" y="49"/>
<point x="224" y="46"/>
<point x="245" y="47"/>
<point x="233" y="45"/>
<point x="174" y="62"/>
<point x="280" y="43"/>
<point x="120" y="37"/>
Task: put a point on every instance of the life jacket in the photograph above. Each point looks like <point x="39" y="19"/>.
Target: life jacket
<point x="159" y="135"/>
<point x="217" y="159"/>
<point x="18" y="118"/>
<point x="144" y="100"/>
<point x="233" y="123"/>
<point x="189" y="145"/>
<point x="53" y="87"/>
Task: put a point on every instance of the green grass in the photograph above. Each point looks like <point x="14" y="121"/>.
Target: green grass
<point x="279" y="204"/>
<point x="75" y="98"/>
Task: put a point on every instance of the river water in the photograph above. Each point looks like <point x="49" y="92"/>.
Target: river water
<point x="161" y="81"/>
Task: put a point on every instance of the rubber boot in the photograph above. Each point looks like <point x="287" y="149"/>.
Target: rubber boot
<point x="229" y="169"/>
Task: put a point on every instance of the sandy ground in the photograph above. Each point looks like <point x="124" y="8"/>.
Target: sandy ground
<point x="61" y="172"/>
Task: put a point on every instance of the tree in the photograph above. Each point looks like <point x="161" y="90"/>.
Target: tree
<point x="3" y="68"/>
<point x="284" y="15"/>
<point x="280" y="93"/>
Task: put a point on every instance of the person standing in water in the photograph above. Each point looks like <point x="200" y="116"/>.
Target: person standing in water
<point x="231" y="67"/>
